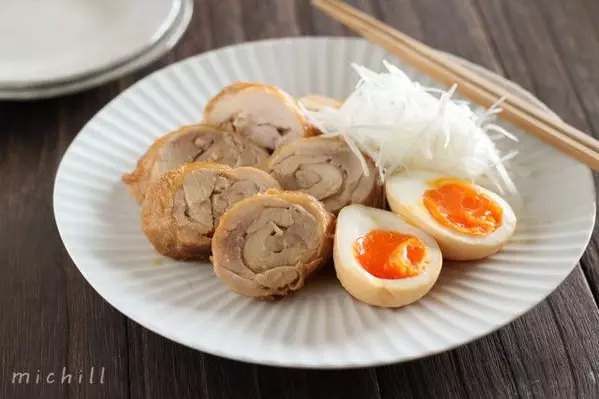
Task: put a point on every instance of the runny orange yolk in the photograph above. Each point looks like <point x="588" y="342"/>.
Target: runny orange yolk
<point x="461" y="207"/>
<point x="390" y="255"/>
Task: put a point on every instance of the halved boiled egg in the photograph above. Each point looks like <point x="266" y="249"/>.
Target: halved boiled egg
<point x="468" y="221"/>
<point x="382" y="260"/>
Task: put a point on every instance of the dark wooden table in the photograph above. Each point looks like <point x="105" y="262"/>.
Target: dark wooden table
<point x="51" y="318"/>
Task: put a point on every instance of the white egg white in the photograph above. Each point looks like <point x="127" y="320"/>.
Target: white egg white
<point x="405" y="192"/>
<point x="356" y="221"/>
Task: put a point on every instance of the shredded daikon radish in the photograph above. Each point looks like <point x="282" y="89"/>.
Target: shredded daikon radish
<point x="402" y="125"/>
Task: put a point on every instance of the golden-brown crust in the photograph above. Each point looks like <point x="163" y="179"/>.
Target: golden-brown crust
<point x="158" y="217"/>
<point x="144" y="173"/>
<point x="306" y="201"/>
<point x="241" y="86"/>
<point x="138" y="179"/>
<point x="312" y="131"/>
<point x="225" y="91"/>
<point x="158" y="220"/>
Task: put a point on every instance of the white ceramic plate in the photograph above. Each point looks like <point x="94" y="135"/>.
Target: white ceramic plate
<point x="46" y="41"/>
<point x="321" y="326"/>
<point x="79" y="78"/>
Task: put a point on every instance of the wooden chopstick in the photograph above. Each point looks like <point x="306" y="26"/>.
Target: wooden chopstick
<point x="555" y="132"/>
<point x="465" y="74"/>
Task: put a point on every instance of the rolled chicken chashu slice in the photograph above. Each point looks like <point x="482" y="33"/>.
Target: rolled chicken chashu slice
<point x="326" y="168"/>
<point x="265" y="114"/>
<point x="188" y="144"/>
<point x="183" y="207"/>
<point x="265" y="246"/>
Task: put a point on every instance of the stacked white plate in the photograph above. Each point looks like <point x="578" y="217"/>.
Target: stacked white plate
<point x="50" y="48"/>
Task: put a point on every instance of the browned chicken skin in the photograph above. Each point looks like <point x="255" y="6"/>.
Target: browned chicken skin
<point x="267" y="245"/>
<point x="326" y="168"/>
<point x="182" y="208"/>
<point x="265" y="114"/>
<point x="188" y="144"/>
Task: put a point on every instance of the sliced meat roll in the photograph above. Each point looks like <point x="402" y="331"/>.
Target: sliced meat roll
<point x="183" y="206"/>
<point x="326" y="168"/>
<point x="189" y="144"/>
<point x="266" y="245"/>
<point x="265" y="114"/>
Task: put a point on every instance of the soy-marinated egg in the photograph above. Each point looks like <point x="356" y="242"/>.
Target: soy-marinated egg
<point x="382" y="260"/>
<point x="467" y="221"/>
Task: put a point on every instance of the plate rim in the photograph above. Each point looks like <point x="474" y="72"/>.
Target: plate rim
<point x="286" y="363"/>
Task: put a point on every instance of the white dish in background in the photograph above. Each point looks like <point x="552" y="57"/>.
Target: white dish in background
<point x="47" y="41"/>
<point x="79" y="78"/>
<point x="320" y="326"/>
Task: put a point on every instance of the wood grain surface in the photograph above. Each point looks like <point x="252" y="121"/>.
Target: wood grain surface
<point x="51" y="318"/>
